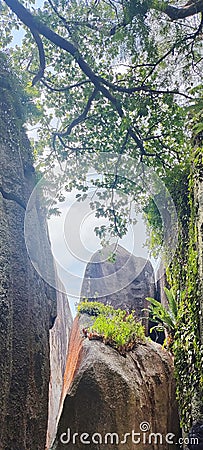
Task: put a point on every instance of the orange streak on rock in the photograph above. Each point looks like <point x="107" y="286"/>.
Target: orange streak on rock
<point x="74" y="353"/>
<point x="72" y="363"/>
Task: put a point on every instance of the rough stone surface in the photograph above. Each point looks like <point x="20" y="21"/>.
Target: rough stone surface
<point x="129" y="280"/>
<point x="27" y="304"/>
<point x="59" y="341"/>
<point x="108" y="393"/>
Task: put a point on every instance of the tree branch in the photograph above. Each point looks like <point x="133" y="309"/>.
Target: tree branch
<point x="143" y="88"/>
<point x="191" y="8"/>
<point x="42" y="61"/>
<point x="80" y="118"/>
<point x="71" y="22"/>
<point x="38" y="27"/>
<point x="34" y="23"/>
<point x="65" y="23"/>
<point x="65" y="88"/>
<point x="174" y="12"/>
<point x="138" y="141"/>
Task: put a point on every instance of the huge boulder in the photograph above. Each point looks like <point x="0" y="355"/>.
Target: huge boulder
<point x="123" y="282"/>
<point x="105" y="392"/>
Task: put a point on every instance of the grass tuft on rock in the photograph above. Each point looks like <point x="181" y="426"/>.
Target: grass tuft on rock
<point x="115" y="327"/>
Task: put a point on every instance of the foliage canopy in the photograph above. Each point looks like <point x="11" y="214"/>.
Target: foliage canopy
<point x="108" y="76"/>
<point x="110" y="73"/>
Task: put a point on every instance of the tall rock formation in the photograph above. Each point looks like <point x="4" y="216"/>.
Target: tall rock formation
<point x="124" y="283"/>
<point x="28" y="305"/>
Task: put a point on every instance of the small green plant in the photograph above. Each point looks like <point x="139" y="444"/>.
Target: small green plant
<point x="114" y="327"/>
<point x="166" y="317"/>
<point x="94" y="308"/>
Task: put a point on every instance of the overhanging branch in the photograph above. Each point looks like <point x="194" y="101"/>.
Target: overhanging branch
<point x="174" y="12"/>
<point x="78" y="119"/>
<point x="64" y="88"/>
<point x="37" y="28"/>
<point x="34" y="23"/>
<point x="40" y="47"/>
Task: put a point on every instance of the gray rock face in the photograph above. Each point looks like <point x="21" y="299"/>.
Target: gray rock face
<point x="28" y="306"/>
<point x="124" y="283"/>
<point x="108" y="393"/>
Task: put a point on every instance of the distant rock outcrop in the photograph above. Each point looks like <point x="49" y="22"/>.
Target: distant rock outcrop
<point x="28" y="306"/>
<point x="124" y="283"/>
<point x="107" y="393"/>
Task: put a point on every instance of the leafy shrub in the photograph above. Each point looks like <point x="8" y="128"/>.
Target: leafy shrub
<point x="94" y="308"/>
<point x="166" y="317"/>
<point x="114" y="327"/>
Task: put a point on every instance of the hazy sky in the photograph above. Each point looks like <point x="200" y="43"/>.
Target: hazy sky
<point x="74" y="241"/>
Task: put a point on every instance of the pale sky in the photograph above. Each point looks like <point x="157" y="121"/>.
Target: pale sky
<point x="74" y="241"/>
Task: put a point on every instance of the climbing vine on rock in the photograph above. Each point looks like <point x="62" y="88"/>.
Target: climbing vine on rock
<point x="187" y="346"/>
<point x="183" y="275"/>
